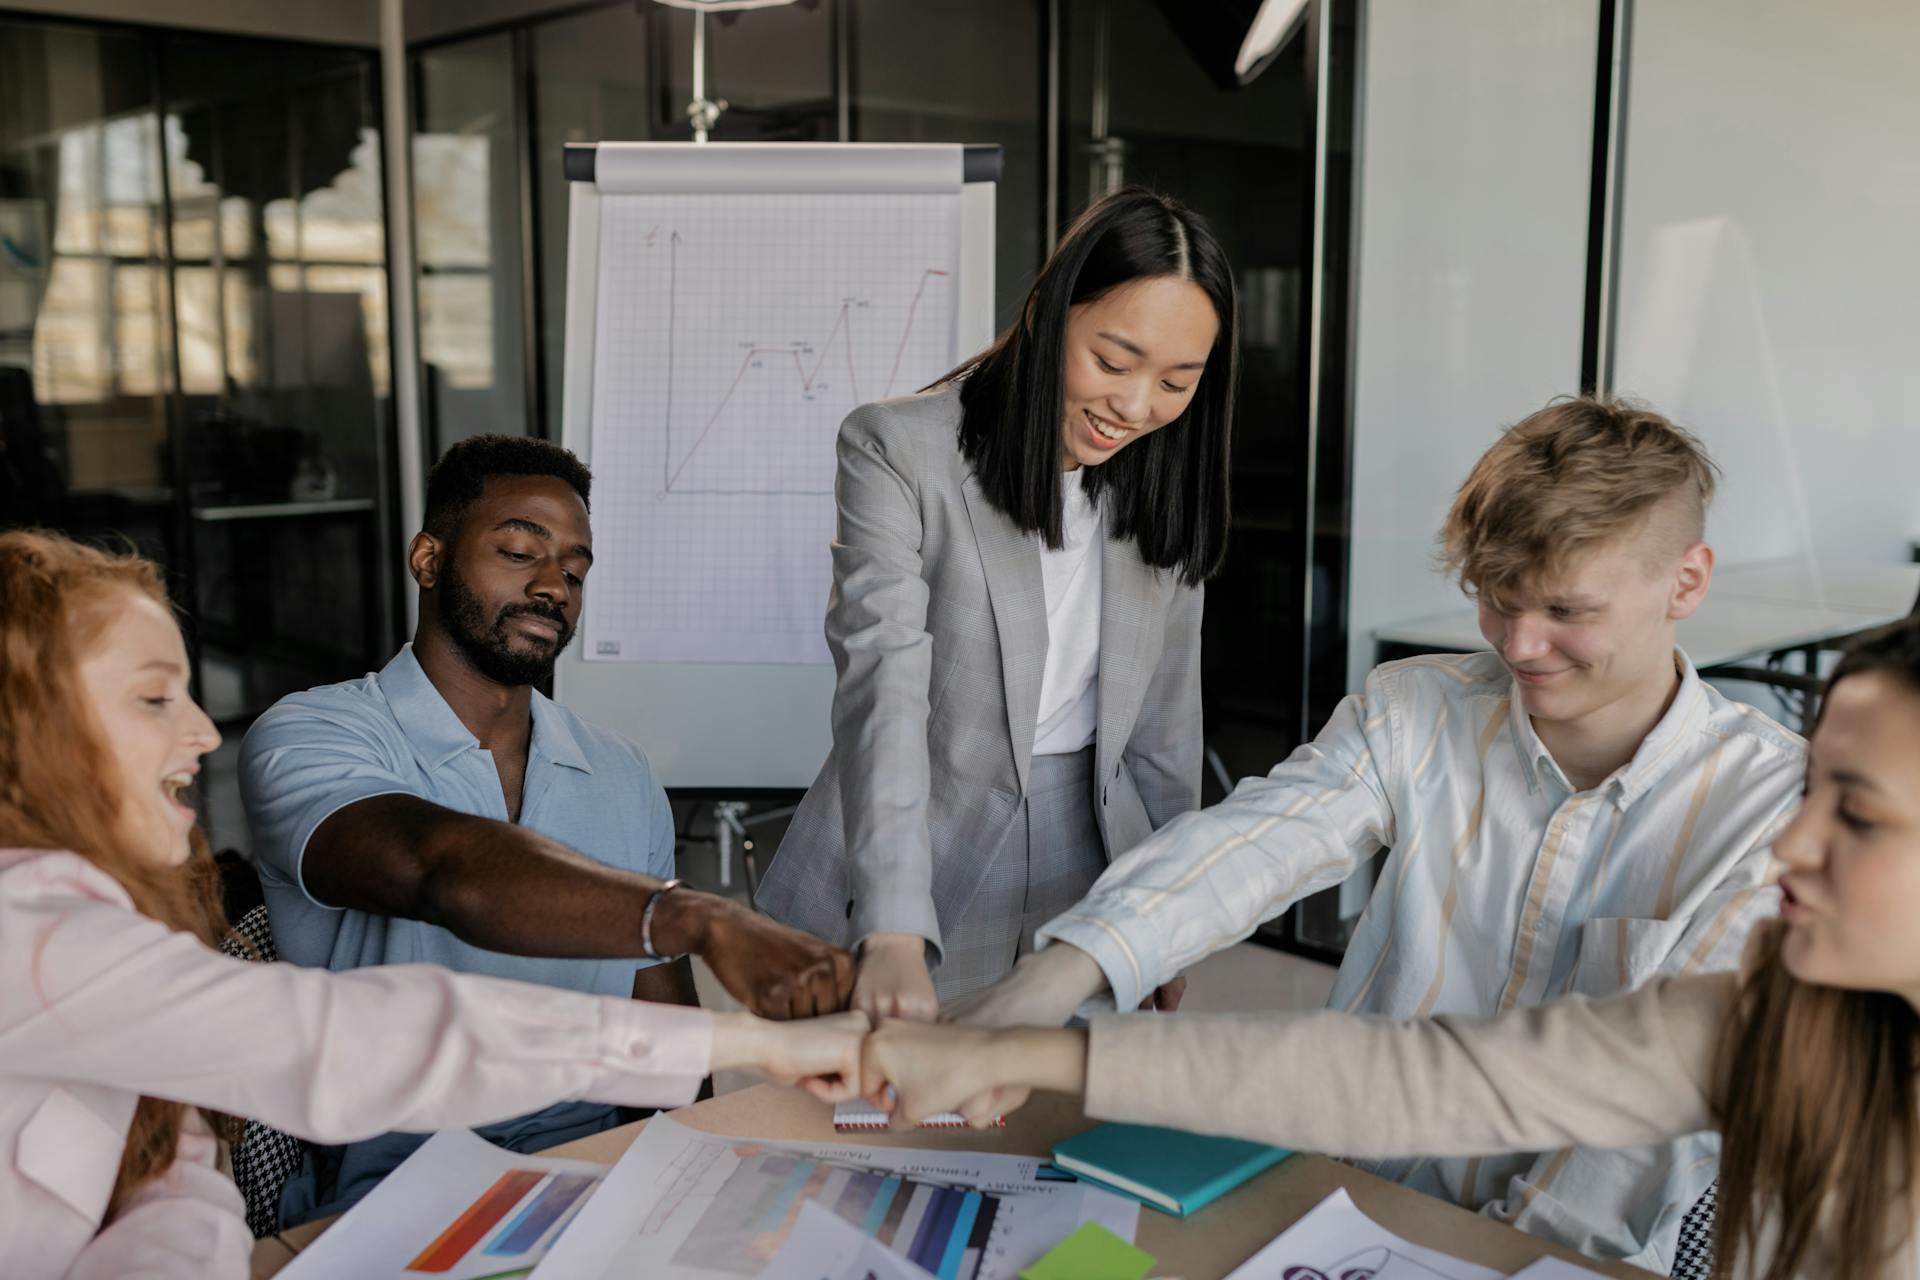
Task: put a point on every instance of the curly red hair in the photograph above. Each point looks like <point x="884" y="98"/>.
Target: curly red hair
<point x="57" y="597"/>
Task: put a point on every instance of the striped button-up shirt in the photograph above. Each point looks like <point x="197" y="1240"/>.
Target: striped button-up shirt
<point x="1504" y="885"/>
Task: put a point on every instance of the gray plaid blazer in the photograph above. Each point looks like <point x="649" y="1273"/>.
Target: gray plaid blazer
<point x="938" y="626"/>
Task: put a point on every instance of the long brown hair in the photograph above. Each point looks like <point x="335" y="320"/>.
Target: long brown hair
<point x="1815" y="1090"/>
<point x="56" y="598"/>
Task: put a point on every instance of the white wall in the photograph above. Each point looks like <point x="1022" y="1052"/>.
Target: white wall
<point x="1770" y="282"/>
<point x="1475" y="146"/>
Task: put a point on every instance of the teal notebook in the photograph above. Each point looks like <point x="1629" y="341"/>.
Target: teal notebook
<point x="1174" y="1171"/>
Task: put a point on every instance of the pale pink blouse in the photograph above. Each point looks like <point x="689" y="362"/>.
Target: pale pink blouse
<point x="100" y="1004"/>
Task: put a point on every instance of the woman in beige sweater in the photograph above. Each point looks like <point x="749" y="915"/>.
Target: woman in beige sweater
<point x="1806" y="1063"/>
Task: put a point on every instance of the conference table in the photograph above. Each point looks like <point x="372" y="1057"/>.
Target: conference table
<point x="1203" y="1246"/>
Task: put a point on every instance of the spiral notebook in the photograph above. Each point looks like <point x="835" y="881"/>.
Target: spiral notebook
<point x="858" y="1115"/>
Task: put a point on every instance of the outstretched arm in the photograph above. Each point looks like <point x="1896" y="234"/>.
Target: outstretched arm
<point x="1608" y="1073"/>
<point x="1208" y="878"/>
<point x="113" y="998"/>
<point x="877" y="632"/>
<point x="1629" y="1069"/>
<point x="506" y="888"/>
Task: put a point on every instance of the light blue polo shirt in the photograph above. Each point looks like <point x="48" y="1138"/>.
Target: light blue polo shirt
<point x="314" y="753"/>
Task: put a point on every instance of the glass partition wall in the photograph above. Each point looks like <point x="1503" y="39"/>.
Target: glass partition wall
<point x="193" y="339"/>
<point x="1082" y="96"/>
<point x="193" y="300"/>
<point x="1140" y="107"/>
<point x="494" y="111"/>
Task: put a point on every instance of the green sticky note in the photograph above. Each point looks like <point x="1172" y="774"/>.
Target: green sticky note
<point x="1091" y="1253"/>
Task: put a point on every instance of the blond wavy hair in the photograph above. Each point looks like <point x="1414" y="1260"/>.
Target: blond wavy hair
<point x="1580" y="474"/>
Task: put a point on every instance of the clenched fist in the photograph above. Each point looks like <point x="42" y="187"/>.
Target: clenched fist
<point x="775" y="971"/>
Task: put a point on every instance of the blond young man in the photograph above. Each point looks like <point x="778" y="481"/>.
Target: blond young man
<point x="1573" y="812"/>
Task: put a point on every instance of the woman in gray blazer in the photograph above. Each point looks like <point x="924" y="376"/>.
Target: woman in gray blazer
<point x="1015" y="614"/>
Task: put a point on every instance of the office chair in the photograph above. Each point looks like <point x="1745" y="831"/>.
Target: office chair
<point x="1693" y="1256"/>
<point x="263" y="1158"/>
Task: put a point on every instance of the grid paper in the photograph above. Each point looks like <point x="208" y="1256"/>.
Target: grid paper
<point x="733" y="335"/>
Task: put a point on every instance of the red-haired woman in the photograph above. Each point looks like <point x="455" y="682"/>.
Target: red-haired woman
<point x="125" y="1039"/>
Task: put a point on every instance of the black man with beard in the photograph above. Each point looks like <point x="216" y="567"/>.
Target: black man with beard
<point x="444" y="811"/>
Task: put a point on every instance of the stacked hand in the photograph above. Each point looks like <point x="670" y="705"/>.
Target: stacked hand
<point x="893" y="981"/>
<point x="1043" y="990"/>
<point x="820" y="1055"/>
<point x="915" y="1070"/>
<point x="911" y="1069"/>
<point x="892" y="988"/>
<point x="773" y="970"/>
<point x="982" y="1061"/>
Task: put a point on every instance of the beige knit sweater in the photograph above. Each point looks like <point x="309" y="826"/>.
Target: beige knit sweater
<point x="1615" y="1072"/>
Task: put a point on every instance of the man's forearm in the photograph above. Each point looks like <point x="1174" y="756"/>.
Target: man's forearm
<point x="1064" y="974"/>
<point x="545" y="899"/>
<point x="511" y="890"/>
<point x="523" y="894"/>
<point x="1043" y="990"/>
<point x="491" y="884"/>
<point x="561" y="904"/>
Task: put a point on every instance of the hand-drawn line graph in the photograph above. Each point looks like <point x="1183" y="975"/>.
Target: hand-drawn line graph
<point x="806" y="383"/>
<point x="733" y="336"/>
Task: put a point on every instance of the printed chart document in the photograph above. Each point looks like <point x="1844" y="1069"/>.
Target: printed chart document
<point x="825" y="1246"/>
<point x="686" y="1205"/>
<point x="1336" y="1241"/>
<point x="459" y="1208"/>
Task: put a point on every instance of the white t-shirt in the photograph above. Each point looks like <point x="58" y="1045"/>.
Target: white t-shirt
<point x="1070" y="685"/>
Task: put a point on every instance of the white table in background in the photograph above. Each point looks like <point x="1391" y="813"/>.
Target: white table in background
<point x="1884" y="590"/>
<point x="1752" y="613"/>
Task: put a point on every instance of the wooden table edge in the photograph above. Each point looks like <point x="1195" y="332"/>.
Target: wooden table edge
<point x="1211" y="1242"/>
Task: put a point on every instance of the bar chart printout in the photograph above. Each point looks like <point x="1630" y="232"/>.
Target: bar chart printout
<point x="459" y="1208"/>
<point x="942" y="1229"/>
<point x="683" y="1205"/>
<point x="824" y="1247"/>
<point x="507" y="1221"/>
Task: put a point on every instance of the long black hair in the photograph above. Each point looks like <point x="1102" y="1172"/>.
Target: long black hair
<point x="1168" y="491"/>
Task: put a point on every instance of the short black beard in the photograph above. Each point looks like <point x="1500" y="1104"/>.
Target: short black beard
<point x="488" y="647"/>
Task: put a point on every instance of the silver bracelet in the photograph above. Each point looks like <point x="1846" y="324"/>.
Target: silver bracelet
<point x="646" y="919"/>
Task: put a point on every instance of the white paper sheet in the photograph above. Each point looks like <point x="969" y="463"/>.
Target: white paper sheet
<point x="1338" y="1242"/>
<point x="514" y="1207"/>
<point x="686" y="1205"/>
<point x="1554" y="1269"/>
<point x="825" y="1246"/>
<point x="734" y="334"/>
